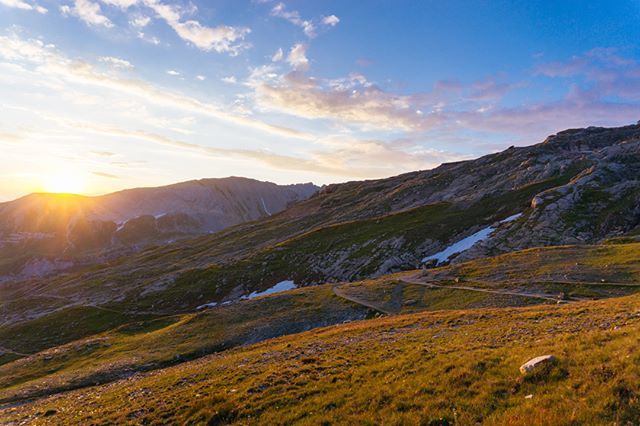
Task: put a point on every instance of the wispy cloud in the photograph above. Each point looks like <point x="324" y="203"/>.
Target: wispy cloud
<point x="20" y="4"/>
<point x="354" y="101"/>
<point x="116" y="62"/>
<point x="309" y="26"/>
<point x="49" y="61"/>
<point x="347" y="157"/>
<point x="278" y="55"/>
<point x="221" y="39"/>
<point x="88" y="12"/>
<point x="105" y="175"/>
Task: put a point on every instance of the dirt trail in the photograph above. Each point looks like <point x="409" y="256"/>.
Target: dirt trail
<point x="338" y="292"/>
<point x="413" y="280"/>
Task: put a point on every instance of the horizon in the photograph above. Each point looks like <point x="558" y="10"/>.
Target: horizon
<point x="108" y="95"/>
<point x="267" y="181"/>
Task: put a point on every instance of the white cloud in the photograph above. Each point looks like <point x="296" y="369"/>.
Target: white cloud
<point x="88" y="12"/>
<point x="122" y="4"/>
<point x="48" y="62"/>
<point x="140" y="21"/>
<point x="309" y="26"/>
<point x="231" y="79"/>
<point x="20" y="4"/>
<point x="331" y="20"/>
<point x="221" y="39"/>
<point x="173" y="72"/>
<point x="278" y="56"/>
<point x="297" y="57"/>
<point x="116" y="62"/>
<point x="280" y="11"/>
<point x="336" y="156"/>
<point x="353" y="102"/>
<point x="201" y="77"/>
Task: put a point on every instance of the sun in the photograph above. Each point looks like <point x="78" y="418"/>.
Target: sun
<point x="65" y="182"/>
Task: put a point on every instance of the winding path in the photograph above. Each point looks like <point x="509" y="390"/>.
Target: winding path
<point x="338" y="292"/>
<point x="542" y="296"/>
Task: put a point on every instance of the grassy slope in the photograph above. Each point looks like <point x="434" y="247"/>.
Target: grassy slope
<point x="262" y="258"/>
<point x="426" y="368"/>
<point x="155" y="343"/>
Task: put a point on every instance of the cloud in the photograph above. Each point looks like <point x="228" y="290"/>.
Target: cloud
<point x="221" y="39"/>
<point x="88" y="12"/>
<point x="309" y="26"/>
<point x="331" y="20"/>
<point x="297" y="57"/>
<point x="116" y="62"/>
<point x="278" y="56"/>
<point x="105" y="175"/>
<point x="230" y="80"/>
<point x="11" y="137"/>
<point x="489" y="89"/>
<point x="173" y="72"/>
<point x="103" y="153"/>
<point x="280" y="11"/>
<point x="346" y="157"/>
<point x="350" y="101"/>
<point x="20" y="4"/>
<point x="201" y="77"/>
<point x="47" y="61"/>
<point x="140" y="21"/>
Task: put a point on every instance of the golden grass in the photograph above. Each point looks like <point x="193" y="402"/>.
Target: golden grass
<point x="427" y="368"/>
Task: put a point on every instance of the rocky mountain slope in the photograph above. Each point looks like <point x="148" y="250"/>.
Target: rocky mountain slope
<point x="448" y="351"/>
<point x="41" y="232"/>
<point x="515" y="248"/>
<point x="579" y="186"/>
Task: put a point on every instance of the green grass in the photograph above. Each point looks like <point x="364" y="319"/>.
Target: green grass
<point x="427" y="368"/>
<point x="155" y="343"/>
<point x="348" y="228"/>
<point x="61" y="327"/>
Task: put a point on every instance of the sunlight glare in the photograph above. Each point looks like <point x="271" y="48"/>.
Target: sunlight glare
<point x="65" y="182"/>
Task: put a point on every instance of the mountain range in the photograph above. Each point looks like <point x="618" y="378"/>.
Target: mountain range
<point x="220" y="288"/>
<point x="42" y="233"/>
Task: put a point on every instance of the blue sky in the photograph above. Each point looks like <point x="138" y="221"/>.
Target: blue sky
<point x="100" y="95"/>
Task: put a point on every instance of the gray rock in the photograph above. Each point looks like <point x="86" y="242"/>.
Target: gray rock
<point x="536" y="363"/>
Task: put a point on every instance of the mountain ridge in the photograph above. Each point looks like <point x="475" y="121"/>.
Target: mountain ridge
<point x="68" y="225"/>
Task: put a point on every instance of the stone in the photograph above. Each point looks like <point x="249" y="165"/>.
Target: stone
<point x="536" y="362"/>
<point x="430" y="264"/>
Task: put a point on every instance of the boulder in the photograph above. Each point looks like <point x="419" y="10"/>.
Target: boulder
<point x="430" y="264"/>
<point x="536" y="362"/>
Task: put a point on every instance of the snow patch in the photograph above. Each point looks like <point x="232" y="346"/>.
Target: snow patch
<point x="511" y="218"/>
<point x="207" y="305"/>
<point x="466" y="243"/>
<point x="264" y="206"/>
<point x="280" y="287"/>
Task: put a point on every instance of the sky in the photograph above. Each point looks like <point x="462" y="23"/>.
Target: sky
<point x="102" y="95"/>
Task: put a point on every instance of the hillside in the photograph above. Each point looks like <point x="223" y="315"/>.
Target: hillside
<point x="365" y="229"/>
<point x="549" y="276"/>
<point x="443" y="367"/>
<point x="42" y="233"/>
<point x="513" y="251"/>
